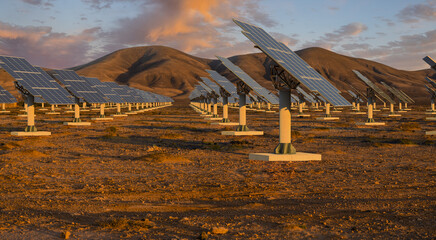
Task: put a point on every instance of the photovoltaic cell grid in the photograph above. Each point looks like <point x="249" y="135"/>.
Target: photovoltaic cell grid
<point x="306" y="96"/>
<point x="432" y="82"/>
<point x="122" y="92"/>
<point x="6" y="97"/>
<point x="430" y="62"/>
<point x="374" y="87"/>
<point x="224" y="83"/>
<point x="256" y="87"/>
<point x="395" y="92"/>
<point x="104" y="89"/>
<point x="79" y="87"/>
<point x="205" y="87"/>
<point x="203" y="91"/>
<point x="293" y="64"/>
<point x="34" y="80"/>
<point x="211" y="85"/>
<point x="406" y="96"/>
<point x="145" y="95"/>
<point x="195" y="94"/>
<point x="355" y="96"/>
<point x="431" y="91"/>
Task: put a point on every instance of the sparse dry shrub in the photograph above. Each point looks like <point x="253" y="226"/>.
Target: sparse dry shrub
<point x="126" y="224"/>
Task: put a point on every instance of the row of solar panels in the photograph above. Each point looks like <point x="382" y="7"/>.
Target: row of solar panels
<point x="67" y="87"/>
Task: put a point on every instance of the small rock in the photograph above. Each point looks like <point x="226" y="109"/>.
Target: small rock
<point x="66" y="234"/>
<point x="219" y="230"/>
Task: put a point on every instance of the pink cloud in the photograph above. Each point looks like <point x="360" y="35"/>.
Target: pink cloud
<point x="42" y="46"/>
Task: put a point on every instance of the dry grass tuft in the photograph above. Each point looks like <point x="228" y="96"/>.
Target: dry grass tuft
<point x="127" y="224"/>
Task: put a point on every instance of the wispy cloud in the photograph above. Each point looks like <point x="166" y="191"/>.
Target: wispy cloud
<point x="418" y="12"/>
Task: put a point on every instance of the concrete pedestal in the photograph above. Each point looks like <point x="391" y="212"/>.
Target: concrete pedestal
<point x="392" y="115"/>
<point x="225" y="124"/>
<point x="358" y="113"/>
<point x="119" y="115"/>
<point x="335" y="111"/>
<point x="432" y="113"/>
<point x="5" y="111"/>
<point x="43" y="109"/>
<point x="31" y="134"/>
<point x="69" y="111"/>
<point x="242" y="133"/>
<point x="430" y="133"/>
<point x="77" y="123"/>
<point x="327" y="118"/>
<point x="270" y="111"/>
<point x="297" y="157"/>
<point x="370" y="123"/>
<point x="52" y="113"/>
<point x="431" y="118"/>
<point x="214" y="119"/>
<point x="301" y="115"/>
<point x="130" y="113"/>
<point x="401" y="111"/>
<point x="102" y="119"/>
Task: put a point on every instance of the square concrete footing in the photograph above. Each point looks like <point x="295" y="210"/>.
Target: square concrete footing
<point x="131" y="113"/>
<point x="69" y="111"/>
<point x="225" y="124"/>
<point x="430" y="133"/>
<point x="327" y="118"/>
<point x="335" y="111"/>
<point x="401" y="111"/>
<point x="358" y="113"/>
<point x="242" y="133"/>
<point x="270" y="111"/>
<point x="260" y="110"/>
<point x="391" y="115"/>
<point x="84" y="110"/>
<point x="433" y="113"/>
<point x="77" y="123"/>
<point x="23" y="115"/>
<point x="371" y="123"/>
<point x="119" y="115"/>
<point x="53" y="113"/>
<point x="376" y="110"/>
<point x="301" y="115"/>
<point x="317" y="110"/>
<point x="297" y="157"/>
<point x="5" y="111"/>
<point x="431" y="118"/>
<point x="215" y="119"/>
<point x="30" y="134"/>
<point x="43" y="109"/>
<point x="102" y="119"/>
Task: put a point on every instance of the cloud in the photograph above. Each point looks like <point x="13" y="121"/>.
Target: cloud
<point x="405" y="53"/>
<point x="193" y="26"/>
<point x="330" y="40"/>
<point x="42" y="46"/>
<point x="47" y="3"/>
<point x="418" y="12"/>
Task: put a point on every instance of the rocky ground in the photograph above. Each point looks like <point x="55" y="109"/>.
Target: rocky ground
<point x="168" y="174"/>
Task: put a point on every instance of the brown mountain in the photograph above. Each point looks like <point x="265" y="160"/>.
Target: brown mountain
<point x="173" y="73"/>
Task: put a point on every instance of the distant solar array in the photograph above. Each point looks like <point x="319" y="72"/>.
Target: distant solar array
<point x="34" y="81"/>
<point x="374" y="87"/>
<point x="259" y="90"/>
<point x="6" y="97"/>
<point x="293" y="64"/>
<point x="396" y="93"/>
<point x="104" y="89"/>
<point x="79" y="87"/>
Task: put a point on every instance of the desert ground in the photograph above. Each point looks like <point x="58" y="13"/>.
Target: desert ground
<point x="169" y="174"/>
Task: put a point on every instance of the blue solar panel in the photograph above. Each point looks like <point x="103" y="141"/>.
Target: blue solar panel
<point x="225" y="84"/>
<point x="374" y="87"/>
<point x="305" y="95"/>
<point x="122" y="92"/>
<point x="430" y="62"/>
<point x="78" y="86"/>
<point x="395" y="92"/>
<point x="6" y="97"/>
<point x="259" y="90"/>
<point x="104" y="89"/>
<point x="293" y="64"/>
<point x="211" y="85"/>
<point x="35" y="81"/>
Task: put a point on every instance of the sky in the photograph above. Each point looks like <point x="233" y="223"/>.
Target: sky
<point x="67" y="33"/>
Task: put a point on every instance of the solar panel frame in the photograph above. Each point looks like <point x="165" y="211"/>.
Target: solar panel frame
<point x="104" y="89"/>
<point x="306" y="96"/>
<point x="211" y="85"/>
<point x="293" y="64"/>
<point x="244" y="77"/>
<point x="121" y="91"/>
<point x="35" y="81"/>
<point x="395" y="92"/>
<point x="406" y="96"/>
<point x="78" y="86"/>
<point x="430" y="62"/>
<point x="374" y="87"/>
<point x="6" y="97"/>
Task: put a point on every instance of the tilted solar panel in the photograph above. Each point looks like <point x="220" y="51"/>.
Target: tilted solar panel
<point x="430" y="62"/>
<point x="122" y="92"/>
<point x="78" y="86"/>
<point x="35" y="81"/>
<point x="395" y="92"/>
<point x="431" y="81"/>
<point x="211" y="85"/>
<point x="256" y="87"/>
<point x="208" y="89"/>
<point x="406" y="96"/>
<point x="104" y="89"/>
<point x="431" y="91"/>
<point x="306" y="96"/>
<point x="374" y="87"/>
<point x="293" y="64"/>
<point x="6" y="97"/>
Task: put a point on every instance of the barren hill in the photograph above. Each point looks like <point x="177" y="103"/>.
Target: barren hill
<point x="173" y="73"/>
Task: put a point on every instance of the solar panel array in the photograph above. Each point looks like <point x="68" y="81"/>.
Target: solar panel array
<point x="104" y="89"/>
<point x="208" y="89"/>
<point x="395" y="92"/>
<point x="431" y="81"/>
<point x="79" y="87"/>
<point x="355" y="96"/>
<point x="374" y="87"/>
<point x="6" y="97"/>
<point x="259" y="90"/>
<point x="211" y="85"/>
<point x="430" y="62"/>
<point x="35" y="81"/>
<point x="306" y="96"/>
<point x="121" y="91"/>
<point x="293" y="64"/>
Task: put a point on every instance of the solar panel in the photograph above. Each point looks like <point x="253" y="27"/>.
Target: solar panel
<point x="6" y="97"/>
<point x="203" y="91"/>
<point x="137" y="98"/>
<point x="122" y="92"/>
<point x="104" y="89"/>
<point x="295" y="98"/>
<point x="78" y="86"/>
<point x="395" y="92"/>
<point x="406" y="96"/>
<point x="430" y="62"/>
<point x="256" y="87"/>
<point x="355" y="96"/>
<point x="431" y="91"/>
<point x="224" y="83"/>
<point x="35" y="81"/>
<point x="146" y="96"/>
<point x="431" y="81"/>
<point x="211" y="85"/>
<point x="208" y="89"/>
<point x="306" y="96"/>
<point x="293" y="64"/>
<point x="374" y="87"/>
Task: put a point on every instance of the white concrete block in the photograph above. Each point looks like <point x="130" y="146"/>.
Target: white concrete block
<point x="299" y="156"/>
<point x="242" y="133"/>
<point x="30" y="134"/>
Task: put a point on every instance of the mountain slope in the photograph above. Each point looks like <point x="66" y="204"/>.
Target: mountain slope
<point x="173" y="73"/>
